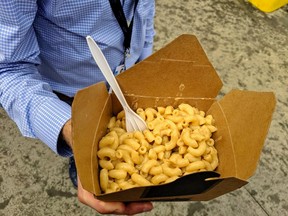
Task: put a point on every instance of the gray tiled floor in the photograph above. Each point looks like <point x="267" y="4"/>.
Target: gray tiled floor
<point x="249" y="50"/>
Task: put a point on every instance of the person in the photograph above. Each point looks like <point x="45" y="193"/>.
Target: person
<point x="45" y="60"/>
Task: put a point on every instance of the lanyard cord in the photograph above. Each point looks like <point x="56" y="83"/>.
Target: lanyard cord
<point x="120" y="16"/>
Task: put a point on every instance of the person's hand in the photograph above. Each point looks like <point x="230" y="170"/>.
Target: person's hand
<point x="118" y="208"/>
<point x="88" y="199"/>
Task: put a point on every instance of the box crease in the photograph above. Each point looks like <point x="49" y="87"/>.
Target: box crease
<point x="230" y="137"/>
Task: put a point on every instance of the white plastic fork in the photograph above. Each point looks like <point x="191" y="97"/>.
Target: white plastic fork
<point x="133" y="121"/>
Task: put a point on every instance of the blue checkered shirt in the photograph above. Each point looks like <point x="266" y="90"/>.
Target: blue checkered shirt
<point x="43" y="49"/>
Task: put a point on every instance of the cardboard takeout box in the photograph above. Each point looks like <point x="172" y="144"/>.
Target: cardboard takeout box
<point x="178" y="73"/>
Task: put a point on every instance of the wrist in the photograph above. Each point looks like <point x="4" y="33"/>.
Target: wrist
<point x="66" y="133"/>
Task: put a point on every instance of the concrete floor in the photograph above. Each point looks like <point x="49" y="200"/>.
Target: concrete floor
<point x="249" y="50"/>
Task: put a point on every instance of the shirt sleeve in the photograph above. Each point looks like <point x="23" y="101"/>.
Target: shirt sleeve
<point x="27" y="99"/>
<point x="150" y="33"/>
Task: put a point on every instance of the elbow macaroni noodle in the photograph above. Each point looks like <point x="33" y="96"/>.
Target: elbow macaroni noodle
<point x="177" y="142"/>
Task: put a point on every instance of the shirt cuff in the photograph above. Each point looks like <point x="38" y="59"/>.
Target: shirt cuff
<point x="147" y="51"/>
<point x="48" y="123"/>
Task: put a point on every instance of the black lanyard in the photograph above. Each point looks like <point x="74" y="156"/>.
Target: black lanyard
<point x="120" y="16"/>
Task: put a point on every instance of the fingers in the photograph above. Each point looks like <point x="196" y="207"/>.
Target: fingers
<point x="137" y="207"/>
<point x="119" y="208"/>
<point x="122" y="209"/>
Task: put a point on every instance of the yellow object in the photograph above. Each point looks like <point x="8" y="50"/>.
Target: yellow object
<point x="268" y="5"/>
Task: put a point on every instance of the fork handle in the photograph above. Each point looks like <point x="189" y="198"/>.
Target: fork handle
<point x="106" y="70"/>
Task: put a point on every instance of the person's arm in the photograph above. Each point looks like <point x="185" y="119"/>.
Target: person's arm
<point x="30" y="102"/>
<point x="27" y="99"/>
<point x="150" y="32"/>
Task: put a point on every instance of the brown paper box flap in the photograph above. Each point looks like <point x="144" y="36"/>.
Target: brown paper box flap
<point x="221" y="187"/>
<point x="89" y="106"/>
<point x="183" y="48"/>
<point x="191" y="184"/>
<point x="243" y="119"/>
<point x="200" y="186"/>
<point x="180" y="69"/>
<point x="218" y="188"/>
